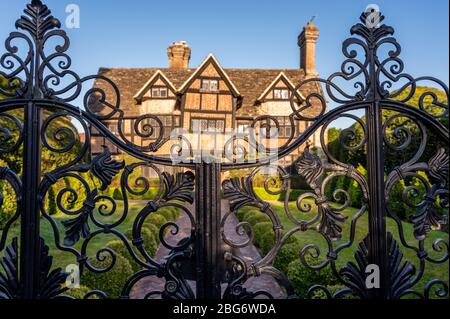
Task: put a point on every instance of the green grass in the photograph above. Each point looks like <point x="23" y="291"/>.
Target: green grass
<point x="441" y="271"/>
<point x="432" y="271"/>
<point x="62" y="259"/>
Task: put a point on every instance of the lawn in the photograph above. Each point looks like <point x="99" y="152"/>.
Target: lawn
<point x="432" y="271"/>
<point x="62" y="259"/>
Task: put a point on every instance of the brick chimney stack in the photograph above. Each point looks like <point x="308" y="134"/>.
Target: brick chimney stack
<point x="307" y="41"/>
<point x="179" y="55"/>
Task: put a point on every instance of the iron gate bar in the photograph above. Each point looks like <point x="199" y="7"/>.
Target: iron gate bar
<point x="208" y="215"/>
<point x="207" y="256"/>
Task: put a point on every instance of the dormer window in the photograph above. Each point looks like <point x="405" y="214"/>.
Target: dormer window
<point x="281" y="94"/>
<point x="159" y="93"/>
<point x="210" y="85"/>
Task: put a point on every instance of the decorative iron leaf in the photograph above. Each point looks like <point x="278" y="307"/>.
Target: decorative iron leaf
<point x="239" y="194"/>
<point x="428" y="217"/>
<point x="310" y="167"/>
<point x="439" y="167"/>
<point x="179" y="188"/>
<point x="371" y="35"/>
<point x="9" y="278"/>
<point x="400" y="273"/>
<point x="105" y="168"/>
<point x="79" y="227"/>
<point x="50" y="282"/>
<point x="37" y="20"/>
<point x="355" y="274"/>
<point x="331" y="222"/>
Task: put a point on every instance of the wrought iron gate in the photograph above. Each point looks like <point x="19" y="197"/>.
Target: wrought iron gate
<point x="36" y="113"/>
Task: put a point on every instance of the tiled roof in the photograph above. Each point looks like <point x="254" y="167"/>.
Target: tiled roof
<point x="251" y="83"/>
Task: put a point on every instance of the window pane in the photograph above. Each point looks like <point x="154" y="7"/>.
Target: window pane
<point x="221" y="125"/>
<point x="156" y="93"/>
<point x="163" y="92"/>
<point x="276" y="94"/>
<point x="285" y="94"/>
<point x="288" y="131"/>
<point x="214" y="85"/>
<point x="204" y="125"/>
<point x="205" y="84"/>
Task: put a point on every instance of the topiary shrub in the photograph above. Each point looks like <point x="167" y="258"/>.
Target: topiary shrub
<point x="119" y="248"/>
<point x="111" y="282"/>
<point x="257" y="219"/>
<point x="303" y="278"/>
<point x="168" y="213"/>
<point x="154" y="232"/>
<point x="240" y="214"/>
<point x="250" y="213"/>
<point x="267" y="242"/>
<point x="259" y="231"/>
<point x="287" y="254"/>
<point x="156" y="220"/>
<point x="150" y="243"/>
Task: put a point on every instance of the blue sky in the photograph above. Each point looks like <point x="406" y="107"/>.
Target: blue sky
<point x="247" y="34"/>
<point x="241" y="33"/>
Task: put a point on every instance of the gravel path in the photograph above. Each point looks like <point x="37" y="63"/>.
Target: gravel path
<point x="250" y="254"/>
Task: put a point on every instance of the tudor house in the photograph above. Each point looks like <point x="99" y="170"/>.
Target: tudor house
<point x="209" y="96"/>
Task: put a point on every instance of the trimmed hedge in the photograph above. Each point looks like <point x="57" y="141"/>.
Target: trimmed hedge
<point x="303" y="278"/>
<point x="149" y="237"/>
<point x="259" y="231"/>
<point x="287" y="254"/>
<point x="111" y="282"/>
<point x="156" y="220"/>
<point x="258" y="218"/>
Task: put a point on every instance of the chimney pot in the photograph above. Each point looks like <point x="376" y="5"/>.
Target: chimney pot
<point x="307" y="41"/>
<point x="179" y="55"/>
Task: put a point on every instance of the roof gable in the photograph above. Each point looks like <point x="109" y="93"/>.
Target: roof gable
<point x="283" y="79"/>
<point x="158" y="76"/>
<point x="212" y="67"/>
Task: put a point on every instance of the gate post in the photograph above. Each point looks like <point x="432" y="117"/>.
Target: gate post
<point x="208" y="214"/>
<point x="30" y="217"/>
<point x="375" y="168"/>
<point x="377" y="203"/>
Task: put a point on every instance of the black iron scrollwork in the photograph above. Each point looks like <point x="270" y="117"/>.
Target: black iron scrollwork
<point x="51" y="282"/>
<point x="41" y="78"/>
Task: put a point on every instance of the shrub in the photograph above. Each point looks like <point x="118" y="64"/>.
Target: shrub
<point x="287" y="254"/>
<point x="266" y="242"/>
<point x="241" y="213"/>
<point x="154" y="231"/>
<point x="156" y="220"/>
<point x="7" y="204"/>
<point x="169" y="213"/>
<point x="303" y="278"/>
<point x="259" y="230"/>
<point x="119" y="248"/>
<point x="150" y="243"/>
<point x="51" y="202"/>
<point x="251" y="212"/>
<point x="257" y="219"/>
<point x="111" y="282"/>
